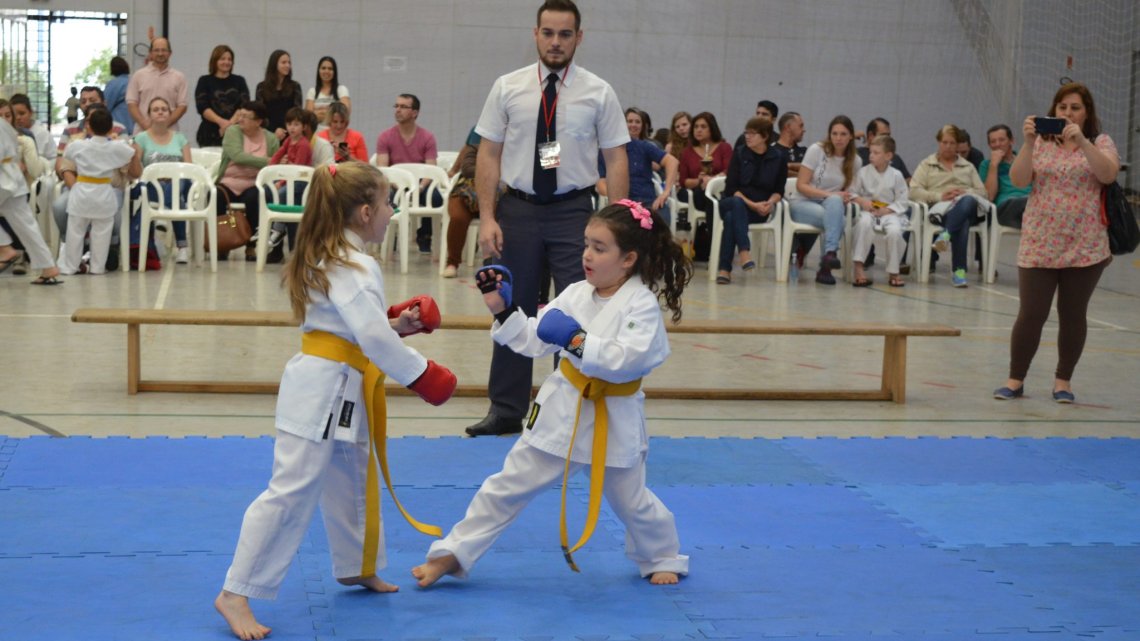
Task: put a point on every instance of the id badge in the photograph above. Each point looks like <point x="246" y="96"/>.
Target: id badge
<point x="548" y="155"/>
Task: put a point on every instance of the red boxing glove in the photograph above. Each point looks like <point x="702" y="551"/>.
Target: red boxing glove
<point x="435" y="385"/>
<point x="429" y="313"/>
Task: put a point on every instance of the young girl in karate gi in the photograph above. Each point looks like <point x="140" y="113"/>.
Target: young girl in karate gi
<point x="610" y="333"/>
<point x="326" y="438"/>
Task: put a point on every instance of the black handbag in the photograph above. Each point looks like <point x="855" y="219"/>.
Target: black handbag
<point x="1116" y="214"/>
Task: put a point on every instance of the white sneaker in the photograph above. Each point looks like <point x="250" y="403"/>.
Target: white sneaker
<point x="451" y="271"/>
<point x="182" y="255"/>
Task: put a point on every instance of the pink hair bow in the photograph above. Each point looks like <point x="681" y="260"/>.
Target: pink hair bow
<point x="639" y="212"/>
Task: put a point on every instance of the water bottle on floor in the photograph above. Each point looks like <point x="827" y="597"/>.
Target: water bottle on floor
<point x="794" y="269"/>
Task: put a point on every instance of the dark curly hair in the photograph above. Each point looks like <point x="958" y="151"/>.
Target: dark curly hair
<point x="661" y="263"/>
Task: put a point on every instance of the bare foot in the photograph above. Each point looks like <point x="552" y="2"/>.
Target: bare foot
<point x="234" y="608"/>
<point x="430" y="572"/>
<point x="664" y="578"/>
<point x="374" y="583"/>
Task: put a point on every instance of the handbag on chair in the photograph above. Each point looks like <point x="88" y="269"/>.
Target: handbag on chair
<point x="233" y="227"/>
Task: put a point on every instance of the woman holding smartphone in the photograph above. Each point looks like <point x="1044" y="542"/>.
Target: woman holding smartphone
<point x="1064" y="247"/>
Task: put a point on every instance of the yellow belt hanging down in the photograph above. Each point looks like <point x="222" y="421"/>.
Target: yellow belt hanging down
<point x="334" y="348"/>
<point x="596" y="390"/>
<point x="94" y="180"/>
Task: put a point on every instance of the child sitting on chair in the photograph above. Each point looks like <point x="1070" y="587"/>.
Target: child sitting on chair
<point x="881" y="194"/>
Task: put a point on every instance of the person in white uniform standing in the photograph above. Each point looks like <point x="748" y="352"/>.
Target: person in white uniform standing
<point x="14" y="208"/>
<point x="330" y="409"/>
<point x="610" y="333"/>
<point x="93" y="203"/>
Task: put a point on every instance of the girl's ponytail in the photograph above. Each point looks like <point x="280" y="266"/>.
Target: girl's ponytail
<point x="335" y="194"/>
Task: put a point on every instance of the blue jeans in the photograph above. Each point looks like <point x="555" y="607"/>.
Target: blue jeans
<point x="957" y="221"/>
<point x="826" y="214"/>
<point x="737" y="217"/>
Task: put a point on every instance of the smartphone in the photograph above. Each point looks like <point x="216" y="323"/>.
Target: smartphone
<point x="1049" y="126"/>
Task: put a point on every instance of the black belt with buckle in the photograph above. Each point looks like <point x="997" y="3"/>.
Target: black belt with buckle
<point x="556" y="198"/>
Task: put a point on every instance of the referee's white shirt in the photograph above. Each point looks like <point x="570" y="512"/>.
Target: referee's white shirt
<point x="588" y="118"/>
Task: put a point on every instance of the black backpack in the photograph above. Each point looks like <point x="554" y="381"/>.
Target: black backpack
<point x="1116" y="214"/>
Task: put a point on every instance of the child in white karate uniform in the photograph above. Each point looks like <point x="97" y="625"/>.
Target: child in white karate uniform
<point x="610" y="333"/>
<point x="14" y="208"/>
<point x="93" y="203"/>
<point x="881" y="193"/>
<point x="330" y="425"/>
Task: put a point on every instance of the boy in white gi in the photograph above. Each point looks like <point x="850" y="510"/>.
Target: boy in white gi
<point x="881" y="194"/>
<point x="330" y="420"/>
<point x="610" y="333"/>
<point x="14" y="207"/>
<point x="93" y="203"/>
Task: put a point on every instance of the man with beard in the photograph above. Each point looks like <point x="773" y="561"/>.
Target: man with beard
<point x="542" y="127"/>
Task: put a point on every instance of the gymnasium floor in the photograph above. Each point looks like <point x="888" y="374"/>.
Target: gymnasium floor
<point x="803" y="519"/>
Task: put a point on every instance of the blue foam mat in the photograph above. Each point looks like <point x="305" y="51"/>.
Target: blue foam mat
<point x="990" y="514"/>
<point x="933" y="460"/>
<point x="130" y="538"/>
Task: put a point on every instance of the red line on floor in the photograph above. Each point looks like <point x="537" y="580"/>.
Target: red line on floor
<point x="940" y="385"/>
<point x="868" y="374"/>
<point x="711" y="349"/>
<point x="756" y="356"/>
<point x="811" y="366"/>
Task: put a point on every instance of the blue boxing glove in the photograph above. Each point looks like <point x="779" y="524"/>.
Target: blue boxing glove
<point x="495" y="277"/>
<point x="558" y="328"/>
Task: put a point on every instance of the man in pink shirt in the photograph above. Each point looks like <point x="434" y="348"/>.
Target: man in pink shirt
<point x="157" y="80"/>
<point x="408" y="142"/>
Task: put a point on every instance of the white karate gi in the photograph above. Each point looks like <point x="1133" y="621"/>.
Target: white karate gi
<point x="309" y="466"/>
<point x="888" y="187"/>
<point x="92" y="205"/>
<point x="14" y="202"/>
<point x="627" y="344"/>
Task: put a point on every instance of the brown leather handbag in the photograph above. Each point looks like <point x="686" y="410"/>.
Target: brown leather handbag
<point x="233" y="227"/>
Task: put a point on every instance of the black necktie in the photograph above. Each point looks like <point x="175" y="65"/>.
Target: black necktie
<point x="546" y="180"/>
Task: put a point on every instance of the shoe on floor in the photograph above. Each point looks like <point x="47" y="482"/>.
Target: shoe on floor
<point x="493" y="425"/>
<point x="182" y="255"/>
<point x="1064" y="397"/>
<point x="1007" y="394"/>
<point x="959" y="278"/>
<point x="451" y="271"/>
<point x="824" y="277"/>
<point x="276" y="255"/>
<point x="830" y="261"/>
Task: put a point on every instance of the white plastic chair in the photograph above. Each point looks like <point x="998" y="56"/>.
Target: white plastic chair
<point x="790" y="229"/>
<point x="421" y="199"/>
<point x="208" y="157"/>
<point x="405" y="184"/>
<point x="42" y="190"/>
<point x="272" y="211"/>
<point x="445" y="159"/>
<point x="996" y="232"/>
<point x="756" y="231"/>
<point x="929" y="231"/>
<point x="199" y="208"/>
<point x="470" y="247"/>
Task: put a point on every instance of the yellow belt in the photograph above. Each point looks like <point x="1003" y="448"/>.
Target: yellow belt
<point x="93" y="180"/>
<point x="591" y="389"/>
<point x="5" y="160"/>
<point x="335" y="348"/>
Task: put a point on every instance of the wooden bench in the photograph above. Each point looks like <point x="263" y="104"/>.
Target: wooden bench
<point x="892" y="388"/>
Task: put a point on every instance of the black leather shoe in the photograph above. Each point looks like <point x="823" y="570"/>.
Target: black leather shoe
<point x="493" y="425"/>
